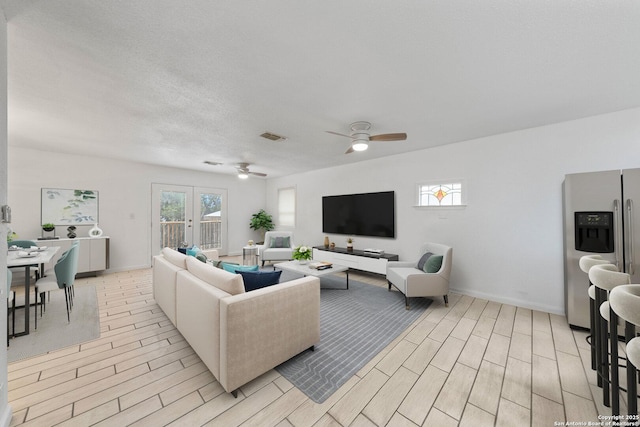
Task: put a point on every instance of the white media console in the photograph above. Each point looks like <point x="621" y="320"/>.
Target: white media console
<point x="355" y="259"/>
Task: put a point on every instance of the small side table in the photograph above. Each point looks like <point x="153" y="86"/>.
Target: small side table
<point x="250" y="255"/>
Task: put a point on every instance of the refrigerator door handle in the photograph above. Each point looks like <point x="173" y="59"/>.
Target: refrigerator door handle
<point x="618" y="231"/>
<point x="631" y="269"/>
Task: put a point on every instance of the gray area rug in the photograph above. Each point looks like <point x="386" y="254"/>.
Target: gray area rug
<point x="355" y="325"/>
<point x="54" y="331"/>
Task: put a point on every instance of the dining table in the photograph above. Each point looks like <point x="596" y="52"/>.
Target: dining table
<point x="28" y="258"/>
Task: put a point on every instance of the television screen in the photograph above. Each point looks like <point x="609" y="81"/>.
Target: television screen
<point x="367" y="214"/>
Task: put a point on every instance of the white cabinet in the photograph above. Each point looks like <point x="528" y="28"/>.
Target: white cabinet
<point x="354" y="259"/>
<point x="93" y="254"/>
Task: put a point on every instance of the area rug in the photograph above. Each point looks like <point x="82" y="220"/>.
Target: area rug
<point x="54" y="331"/>
<point x="355" y="325"/>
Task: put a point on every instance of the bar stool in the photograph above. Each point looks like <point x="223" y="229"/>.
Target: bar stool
<point x="625" y="301"/>
<point x="585" y="263"/>
<point x="606" y="277"/>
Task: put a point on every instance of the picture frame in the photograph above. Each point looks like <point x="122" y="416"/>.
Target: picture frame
<point x="69" y="206"/>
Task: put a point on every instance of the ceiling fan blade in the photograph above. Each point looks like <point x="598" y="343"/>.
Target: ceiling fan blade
<point x="349" y="151"/>
<point x="388" y="137"/>
<point x="339" y="134"/>
<point x="257" y="173"/>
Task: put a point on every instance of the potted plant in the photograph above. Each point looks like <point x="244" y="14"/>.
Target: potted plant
<point x="302" y="254"/>
<point x="261" y="221"/>
<point x="48" y="226"/>
<point x="349" y="243"/>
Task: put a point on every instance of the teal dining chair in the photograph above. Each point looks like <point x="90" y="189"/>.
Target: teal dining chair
<point x="25" y="244"/>
<point x="64" y="275"/>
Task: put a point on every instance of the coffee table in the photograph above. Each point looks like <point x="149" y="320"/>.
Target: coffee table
<point x="305" y="270"/>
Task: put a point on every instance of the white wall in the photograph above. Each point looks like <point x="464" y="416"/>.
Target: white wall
<point x="508" y="241"/>
<point x="5" y="409"/>
<point x="125" y="198"/>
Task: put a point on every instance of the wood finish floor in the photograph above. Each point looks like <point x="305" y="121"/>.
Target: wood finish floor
<point x="474" y="363"/>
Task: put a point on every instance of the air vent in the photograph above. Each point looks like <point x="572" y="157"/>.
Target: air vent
<point x="273" y="137"/>
<point x="209" y="162"/>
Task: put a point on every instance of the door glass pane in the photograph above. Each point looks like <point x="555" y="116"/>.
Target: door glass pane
<point x="173" y="219"/>
<point x="210" y="221"/>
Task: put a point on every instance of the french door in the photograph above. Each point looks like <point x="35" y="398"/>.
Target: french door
<point x="186" y="216"/>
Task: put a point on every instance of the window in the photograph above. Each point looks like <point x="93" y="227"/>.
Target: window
<point x="287" y="207"/>
<point x="441" y="194"/>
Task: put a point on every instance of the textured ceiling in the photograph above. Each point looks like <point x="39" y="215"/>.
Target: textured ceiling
<point x="176" y="83"/>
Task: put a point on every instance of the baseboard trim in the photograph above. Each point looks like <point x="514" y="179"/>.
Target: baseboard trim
<point x="511" y="301"/>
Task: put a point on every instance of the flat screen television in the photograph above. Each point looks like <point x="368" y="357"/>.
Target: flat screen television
<point x="366" y="214"/>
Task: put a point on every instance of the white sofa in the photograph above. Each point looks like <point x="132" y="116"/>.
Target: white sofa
<point x="238" y="335"/>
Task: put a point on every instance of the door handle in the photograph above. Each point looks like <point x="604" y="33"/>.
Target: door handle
<point x="630" y="236"/>
<point x="617" y="225"/>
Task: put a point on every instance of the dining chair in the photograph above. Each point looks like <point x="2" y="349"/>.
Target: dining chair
<point x="26" y="244"/>
<point x="50" y="271"/>
<point x="64" y="275"/>
<point x="11" y="296"/>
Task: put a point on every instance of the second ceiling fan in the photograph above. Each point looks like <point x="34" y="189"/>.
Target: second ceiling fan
<point x="360" y="136"/>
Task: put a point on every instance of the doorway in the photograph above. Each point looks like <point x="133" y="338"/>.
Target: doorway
<point x="183" y="216"/>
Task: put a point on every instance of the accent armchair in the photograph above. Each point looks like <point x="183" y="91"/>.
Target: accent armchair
<point x="278" y="246"/>
<point x="425" y="277"/>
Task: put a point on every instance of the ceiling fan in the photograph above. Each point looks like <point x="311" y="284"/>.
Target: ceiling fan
<point x="360" y="136"/>
<point x="244" y="172"/>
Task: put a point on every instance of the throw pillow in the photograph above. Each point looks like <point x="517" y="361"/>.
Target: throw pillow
<point x="216" y="263"/>
<point x="280" y="242"/>
<point x="193" y="250"/>
<point x="259" y="279"/>
<point x="235" y="268"/>
<point x="201" y="257"/>
<point x="423" y="260"/>
<point x="433" y="264"/>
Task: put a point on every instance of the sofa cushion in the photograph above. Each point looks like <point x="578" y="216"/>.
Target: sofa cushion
<point x="175" y="257"/>
<point x="235" y="268"/>
<point x="433" y="264"/>
<point x="223" y="280"/>
<point x="280" y="242"/>
<point x="423" y="260"/>
<point x="259" y="279"/>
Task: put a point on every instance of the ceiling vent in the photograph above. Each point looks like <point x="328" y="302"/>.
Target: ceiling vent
<point x="273" y="137"/>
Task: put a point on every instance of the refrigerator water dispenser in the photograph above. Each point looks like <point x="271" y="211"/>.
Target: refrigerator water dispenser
<point x="594" y="232"/>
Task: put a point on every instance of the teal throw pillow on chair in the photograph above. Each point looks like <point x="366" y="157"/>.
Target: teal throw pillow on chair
<point x="280" y="242"/>
<point x="433" y="264"/>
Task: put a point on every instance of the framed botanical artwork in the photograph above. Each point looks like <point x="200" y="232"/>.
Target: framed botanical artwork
<point x="65" y="207"/>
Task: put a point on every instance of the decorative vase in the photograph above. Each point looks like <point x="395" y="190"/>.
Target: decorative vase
<point x="71" y="232"/>
<point x="95" y="231"/>
<point x="326" y="241"/>
<point x="303" y="261"/>
<point x="332" y="245"/>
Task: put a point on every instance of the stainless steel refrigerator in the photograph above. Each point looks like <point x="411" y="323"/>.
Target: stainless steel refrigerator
<point x="601" y="216"/>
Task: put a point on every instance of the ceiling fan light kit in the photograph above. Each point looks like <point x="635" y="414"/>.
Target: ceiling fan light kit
<point x="244" y="172"/>
<point x="359" y="145"/>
